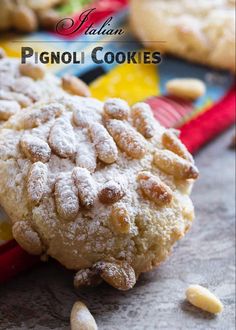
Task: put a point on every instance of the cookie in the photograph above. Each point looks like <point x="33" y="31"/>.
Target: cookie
<point x="21" y="85"/>
<point x="202" y="33"/>
<point x="27" y="15"/>
<point x="102" y="188"/>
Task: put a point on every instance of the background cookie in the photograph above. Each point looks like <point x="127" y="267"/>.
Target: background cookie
<point x="26" y="15"/>
<point x="104" y="189"/>
<point x="202" y="32"/>
<point x="24" y="84"/>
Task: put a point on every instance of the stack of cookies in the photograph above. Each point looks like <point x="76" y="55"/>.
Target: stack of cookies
<point x="101" y="187"/>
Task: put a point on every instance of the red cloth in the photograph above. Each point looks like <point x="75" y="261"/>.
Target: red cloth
<point x="170" y="110"/>
<point x="194" y="135"/>
<point x="208" y="125"/>
<point x="13" y="260"/>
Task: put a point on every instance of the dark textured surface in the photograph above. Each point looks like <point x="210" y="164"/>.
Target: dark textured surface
<point x="42" y="298"/>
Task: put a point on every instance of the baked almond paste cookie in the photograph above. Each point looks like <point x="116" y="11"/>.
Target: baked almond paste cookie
<point x="21" y="85"/>
<point x="102" y="188"/>
<point x="203" y="32"/>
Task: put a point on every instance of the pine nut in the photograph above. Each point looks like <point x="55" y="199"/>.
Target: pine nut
<point x="204" y="299"/>
<point x="81" y="318"/>
<point x="190" y="89"/>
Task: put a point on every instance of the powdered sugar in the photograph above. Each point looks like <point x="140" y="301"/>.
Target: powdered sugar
<point x="62" y="138"/>
<point x="66" y="197"/>
<point x="116" y="109"/>
<point x="86" y="156"/>
<point x="85" y="113"/>
<point x="35" y="116"/>
<point x="22" y="99"/>
<point x="37" y="180"/>
<point x="8" y="108"/>
<point x="105" y="146"/>
<point x="86" y="186"/>
<point x="35" y="148"/>
<point x="26" y="86"/>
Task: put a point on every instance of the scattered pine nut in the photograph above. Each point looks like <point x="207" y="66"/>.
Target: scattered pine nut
<point x="81" y="318"/>
<point x="186" y="88"/>
<point x="204" y="299"/>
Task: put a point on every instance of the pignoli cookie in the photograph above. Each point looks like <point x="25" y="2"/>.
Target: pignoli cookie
<point x="106" y="197"/>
